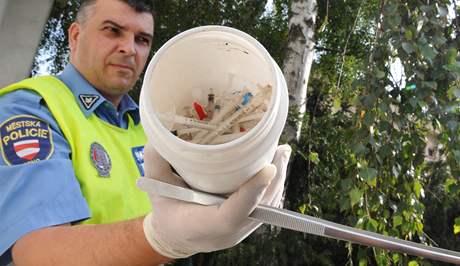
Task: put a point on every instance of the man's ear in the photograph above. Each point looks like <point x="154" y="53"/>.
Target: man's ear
<point x="74" y="34"/>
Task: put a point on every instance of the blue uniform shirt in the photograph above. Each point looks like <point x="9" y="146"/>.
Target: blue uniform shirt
<point x="39" y="194"/>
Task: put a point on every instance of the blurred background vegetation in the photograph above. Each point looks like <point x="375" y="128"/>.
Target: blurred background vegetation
<point x="379" y="147"/>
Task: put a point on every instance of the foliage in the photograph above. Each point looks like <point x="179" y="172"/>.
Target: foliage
<point x="396" y="120"/>
<point x="372" y="170"/>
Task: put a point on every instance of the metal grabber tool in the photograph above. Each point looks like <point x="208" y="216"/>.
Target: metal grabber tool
<point x="304" y="223"/>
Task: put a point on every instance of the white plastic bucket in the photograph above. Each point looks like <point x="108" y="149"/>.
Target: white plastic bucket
<point x="221" y="58"/>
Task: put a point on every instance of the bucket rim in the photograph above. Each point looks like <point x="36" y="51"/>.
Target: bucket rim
<point x="185" y="145"/>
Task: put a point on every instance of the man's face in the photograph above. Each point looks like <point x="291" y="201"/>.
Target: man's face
<point x="110" y="47"/>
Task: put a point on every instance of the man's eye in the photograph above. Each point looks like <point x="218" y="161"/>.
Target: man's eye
<point x="112" y="29"/>
<point x="143" y="40"/>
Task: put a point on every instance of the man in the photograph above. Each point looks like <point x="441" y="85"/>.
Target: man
<point x="70" y="147"/>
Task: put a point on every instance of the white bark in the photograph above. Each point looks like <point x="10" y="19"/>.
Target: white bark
<point x="299" y="58"/>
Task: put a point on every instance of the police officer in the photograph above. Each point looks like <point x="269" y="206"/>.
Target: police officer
<point x="72" y="147"/>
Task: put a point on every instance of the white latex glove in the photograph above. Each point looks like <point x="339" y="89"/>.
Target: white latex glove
<point x="178" y="229"/>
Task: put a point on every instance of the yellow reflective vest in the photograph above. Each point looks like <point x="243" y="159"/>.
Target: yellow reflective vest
<point x="110" y="191"/>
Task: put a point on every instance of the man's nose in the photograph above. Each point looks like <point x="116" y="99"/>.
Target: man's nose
<point x="127" y="45"/>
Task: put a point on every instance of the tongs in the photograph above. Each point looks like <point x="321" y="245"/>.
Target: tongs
<point x="304" y="223"/>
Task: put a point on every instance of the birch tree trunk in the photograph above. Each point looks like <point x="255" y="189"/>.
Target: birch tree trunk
<point x="298" y="59"/>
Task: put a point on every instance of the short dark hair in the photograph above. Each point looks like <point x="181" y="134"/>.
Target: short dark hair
<point x="138" y="5"/>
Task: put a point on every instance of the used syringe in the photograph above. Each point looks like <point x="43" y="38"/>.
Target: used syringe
<point x="173" y="118"/>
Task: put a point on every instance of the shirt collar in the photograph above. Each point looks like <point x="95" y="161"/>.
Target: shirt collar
<point x="128" y="105"/>
<point x="89" y="99"/>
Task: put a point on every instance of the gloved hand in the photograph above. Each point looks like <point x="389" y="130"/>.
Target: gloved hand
<point x="178" y="229"/>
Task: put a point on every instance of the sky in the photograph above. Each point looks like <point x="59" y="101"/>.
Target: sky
<point x="269" y="6"/>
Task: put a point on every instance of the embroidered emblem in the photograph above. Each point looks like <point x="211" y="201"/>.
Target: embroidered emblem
<point x="24" y="139"/>
<point x="100" y="159"/>
<point x="138" y="154"/>
<point x="88" y="100"/>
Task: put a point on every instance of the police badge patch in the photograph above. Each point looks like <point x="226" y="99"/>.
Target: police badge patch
<point x="88" y="100"/>
<point x="25" y="139"/>
<point x="138" y="154"/>
<point x="100" y="159"/>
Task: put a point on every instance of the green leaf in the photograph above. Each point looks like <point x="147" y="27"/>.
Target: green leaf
<point x="362" y="262"/>
<point x="452" y="108"/>
<point x="359" y="149"/>
<point x="408" y="47"/>
<point x="413" y="101"/>
<point x="385" y="151"/>
<point x="454" y="92"/>
<point x="362" y="256"/>
<point x="346" y="183"/>
<point x="418" y="189"/>
<point x="442" y="11"/>
<point x="439" y="40"/>
<point x="379" y="73"/>
<point x="394" y="21"/>
<point x="394" y="232"/>
<point x="425" y="8"/>
<point x="453" y="67"/>
<point x="449" y="183"/>
<point x="407" y="215"/>
<point x="419" y="227"/>
<point x="369" y="119"/>
<point x="456" y="229"/>
<point x="344" y="204"/>
<point x="457" y="225"/>
<point x="452" y="125"/>
<point x="314" y="158"/>
<point x="430" y="84"/>
<point x="390" y="9"/>
<point x="368" y="174"/>
<point x="337" y="105"/>
<point x="428" y="52"/>
<point x="451" y="55"/>
<point x="382" y="259"/>
<point x="397" y="220"/>
<point x="383" y="107"/>
<point x="419" y="73"/>
<point x="368" y="100"/>
<point x="413" y="263"/>
<point x="456" y="154"/>
<point x="372" y="225"/>
<point x="324" y="24"/>
<point x="302" y="208"/>
<point x="355" y="196"/>
<point x="408" y="35"/>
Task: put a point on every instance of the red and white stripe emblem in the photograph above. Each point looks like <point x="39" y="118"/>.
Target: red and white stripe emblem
<point x="27" y="149"/>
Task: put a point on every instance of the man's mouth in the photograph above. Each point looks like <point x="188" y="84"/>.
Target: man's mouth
<point x="123" y="66"/>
